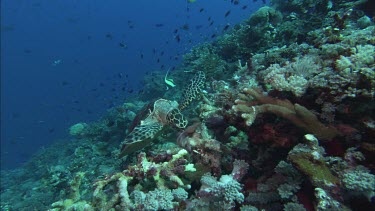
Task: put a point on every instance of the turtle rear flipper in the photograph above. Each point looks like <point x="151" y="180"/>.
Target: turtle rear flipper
<point x="140" y="137"/>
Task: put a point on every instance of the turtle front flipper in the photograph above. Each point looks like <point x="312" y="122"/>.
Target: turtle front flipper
<point x="140" y="137"/>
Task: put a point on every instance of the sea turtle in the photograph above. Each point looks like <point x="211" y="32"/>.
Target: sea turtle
<point x="165" y="112"/>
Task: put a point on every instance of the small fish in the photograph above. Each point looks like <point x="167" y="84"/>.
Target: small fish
<point x="209" y="18"/>
<point x="119" y="75"/>
<point x="235" y="2"/>
<point x="178" y="38"/>
<point x="185" y="27"/>
<point x="131" y="91"/>
<point x="159" y="25"/>
<point x="244" y="7"/>
<point x="175" y="31"/>
<point x="198" y="26"/>
<point x="130" y="24"/>
<point x="201" y="10"/>
<point x="141" y="55"/>
<point x="213" y="35"/>
<point x="226" y="27"/>
<point x="109" y="36"/>
<point x="64" y="83"/>
<point x="212" y="23"/>
<point x="227" y="13"/>
<point x="162" y="53"/>
<point x="123" y="45"/>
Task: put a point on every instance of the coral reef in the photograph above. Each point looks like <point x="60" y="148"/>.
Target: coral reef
<point x="285" y="121"/>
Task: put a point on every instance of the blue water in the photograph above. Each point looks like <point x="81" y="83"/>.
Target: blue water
<point x="40" y="99"/>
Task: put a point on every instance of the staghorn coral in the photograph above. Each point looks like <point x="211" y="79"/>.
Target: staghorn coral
<point x="297" y="114"/>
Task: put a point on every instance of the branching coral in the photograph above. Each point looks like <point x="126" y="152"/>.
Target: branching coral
<point x="297" y="114"/>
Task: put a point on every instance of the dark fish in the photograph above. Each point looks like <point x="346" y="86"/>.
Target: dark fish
<point x="123" y="45"/>
<point x="201" y="10"/>
<point x="130" y="24"/>
<point x="126" y="76"/>
<point x="154" y="50"/>
<point x="162" y="53"/>
<point x="123" y="88"/>
<point x="109" y="36"/>
<point x="209" y="18"/>
<point x="212" y="23"/>
<point x="159" y="25"/>
<point x="131" y="91"/>
<point x="119" y="75"/>
<point x="213" y="35"/>
<point x="185" y="27"/>
<point x="94" y="89"/>
<point x="264" y="1"/>
<point x="27" y="51"/>
<point x="162" y="66"/>
<point x="89" y="37"/>
<point x="101" y="84"/>
<point x="235" y="2"/>
<point x="51" y="130"/>
<point x="198" y="26"/>
<point x="178" y="38"/>
<point x="175" y="31"/>
<point x="244" y="7"/>
<point x="141" y="55"/>
<point x="226" y="27"/>
<point x="227" y="13"/>
<point x="76" y="101"/>
<point x="173" y="68"/>
<point x="64" y="83"/>
<point x="158" y="60"/>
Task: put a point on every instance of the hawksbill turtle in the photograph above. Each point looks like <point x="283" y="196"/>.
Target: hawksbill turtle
<point x="164" y="113"/>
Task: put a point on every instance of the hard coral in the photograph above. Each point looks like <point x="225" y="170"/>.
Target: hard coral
<point x="297" y="114"/>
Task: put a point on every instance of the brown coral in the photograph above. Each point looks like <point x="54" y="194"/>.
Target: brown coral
<point x="297" y="114"/>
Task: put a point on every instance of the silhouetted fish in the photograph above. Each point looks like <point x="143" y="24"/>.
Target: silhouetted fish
<point x="227" y="13"/>
<point x="198" y="26"/>
<point x="201" y="10"/>
<point x="185" y="27"/>
<point x="109" y="36"/>
<point x="159" y="25"/>
<point x="226" y="27"/>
